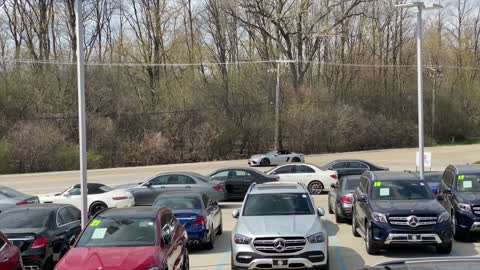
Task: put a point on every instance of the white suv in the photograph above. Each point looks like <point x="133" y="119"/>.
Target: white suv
<point x="279" y="228"/>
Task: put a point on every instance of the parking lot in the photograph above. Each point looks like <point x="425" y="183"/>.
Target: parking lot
<point x="346" y="251"/>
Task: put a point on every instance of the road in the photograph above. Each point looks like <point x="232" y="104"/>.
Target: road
<point x="346" y="251"/>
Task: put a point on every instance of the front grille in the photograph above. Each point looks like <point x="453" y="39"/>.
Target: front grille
<point x="279" y="245"/>
<point x="476" y="210"/>
<point x="412" y="221"/>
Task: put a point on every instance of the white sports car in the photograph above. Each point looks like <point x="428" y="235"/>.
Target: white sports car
<point x="275" y="157"/>
<point x="99" y="197"/>
<point x="316" y="179"/>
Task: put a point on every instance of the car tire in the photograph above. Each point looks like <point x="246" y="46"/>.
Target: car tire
<point x="96" y="207"/>
<point x="186" y="261"/>
<point x="315" y="187"/>
<point x="330" y="211"/>
<point x="296" y="159"/>
<point x="354" y="225"/>
<point x="211" y="242"/>
<point x="265" y="162"/>
<point x="459" y="235"/>
<point x="371" y="247"/>
<point x="445" y="248"/>
<point x="338" y="219"/>
<point x="220" y="227"/>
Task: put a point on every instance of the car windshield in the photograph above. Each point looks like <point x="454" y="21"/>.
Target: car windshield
<point x="401" y="190"/>
<point x="6" y="192"/>
<point x="177" y="203"/>
<point x="350" y="184"/>
<point x="119" y="232"/>
<point x="433" y="178"/>
<point x="271" y="153"/>
<point x="278" y="205"/>
<point x="468" y="183"/>
<point x="25" y="218"/>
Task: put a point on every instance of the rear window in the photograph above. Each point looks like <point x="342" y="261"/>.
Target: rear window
<point x="350" y="184"/>
<point x="177" y="203"/>
<point x="433" y="178"/>
<point x="6" y="192"/>
<point x="119" y="232"/>
<point x="25" y="218"/>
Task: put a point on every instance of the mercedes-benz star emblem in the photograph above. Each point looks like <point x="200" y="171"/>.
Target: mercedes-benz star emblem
<point x="412" y="221"/>
<point x="279" y="245"/>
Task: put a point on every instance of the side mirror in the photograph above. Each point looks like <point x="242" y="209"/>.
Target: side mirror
<point x="362" y="198"/>
<point x="440" y="198"/>
<point x="447" y="191"/>
<point x="24" y="246"/>
<point x="320" y="212"/>
<point x="236" y="214"/>
<point x="148" y="184"/>
<point x="72" y="241"/>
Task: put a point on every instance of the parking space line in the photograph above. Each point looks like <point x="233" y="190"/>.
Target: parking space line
<point x="331" y="232"/>
<point x="223" y="261"/>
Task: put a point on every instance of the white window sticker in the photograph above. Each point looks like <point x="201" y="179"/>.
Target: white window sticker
<point x="99" y="233"/>
<point x="467" y="184"/>
<point x="144" y="224"/>
<point x="304" y="196"/>
<point x="384" y="192"/>
<point x="422" y="184"/>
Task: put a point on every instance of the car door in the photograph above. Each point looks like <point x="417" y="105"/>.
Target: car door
<point x="356" y="168"/>
<point x="147" y="192"/>
<point x="214" y="213"/>
<point x="284" y="156"/>
<point x="285" y="173"/>
<point x="340" y="167"/>
<point x="169" y="241"/>
<point x="303" y="174"/>
<point x="241" y="179"/>
<point x="333" y="194"/>
<point x="63" y="231"/>
<point x="447" y="183"/>
<point x="361" y="209"/>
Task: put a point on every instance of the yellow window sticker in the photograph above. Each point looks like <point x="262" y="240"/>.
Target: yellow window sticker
<point x="461" y="177"/>
<point x="377" y="184"/>
<point x="95" y="223"/>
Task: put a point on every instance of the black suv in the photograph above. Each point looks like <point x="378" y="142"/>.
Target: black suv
<point x="398" y="208"/>
<point x="461" y="188"/>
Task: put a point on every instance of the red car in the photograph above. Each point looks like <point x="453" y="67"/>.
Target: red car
<point x="10" y="255"/>
<point x="140" y="238"/>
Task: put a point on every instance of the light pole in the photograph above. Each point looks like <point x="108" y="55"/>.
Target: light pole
<point x="420" y="6"/>
<point x="82" y="121"/>
<point x="435" y="73"/>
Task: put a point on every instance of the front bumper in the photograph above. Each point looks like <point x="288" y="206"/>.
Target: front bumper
<point x="467" y="222"/>
<point x="197" y="235"/>
<point x="345" y="210"/>
<point x="125" y="203"/>
<point x="386" y="234"/>
<point x="247" y="257"/>
<point x="253" y="162"/>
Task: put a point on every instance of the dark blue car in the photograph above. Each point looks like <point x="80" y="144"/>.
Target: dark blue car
<point x="201" y="216"/>
<point x="433" y="180"/>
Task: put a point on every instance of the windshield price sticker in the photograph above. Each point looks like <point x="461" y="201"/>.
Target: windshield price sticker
<point x="384" y="192"/>
<point x="461" y="177"/>
<point x="377" y="184"/>
<point x="95" y="223"/>
<point x="99" y="233"/>
<point x="467" y="184"/>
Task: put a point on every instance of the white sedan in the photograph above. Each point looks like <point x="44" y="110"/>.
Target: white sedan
<point x="99" y="197"/>
<point x="316" y="179"/>
<point x="276" y="157"/>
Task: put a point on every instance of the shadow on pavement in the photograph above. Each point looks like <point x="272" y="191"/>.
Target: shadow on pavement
<point x="331" y="227"/>
<point x="222" y="245"/>
<point x="344" y="258"/>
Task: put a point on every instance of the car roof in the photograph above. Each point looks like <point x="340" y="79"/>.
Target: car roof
<point x="343" y="160"/>
<point x="90" y="185"/>
<point x="277" y="188"/>
<point x="239" y="168"/>
<point x="392" y="175"/>
<point x="45" y="206"/>
<point x="466" y="168"/>
<point x="132" y="212"/>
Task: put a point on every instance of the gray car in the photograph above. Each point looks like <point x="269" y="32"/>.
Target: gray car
<point x="146" y="192"/>
<point x="340" y="197"/>
<point x="9" y="197"/>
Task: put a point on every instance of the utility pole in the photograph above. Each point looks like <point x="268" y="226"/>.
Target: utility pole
<point x="435" y="73"/>
<point x="277" y="108"/>
<point x="82" y="121"/>
<point x="420" y="6"/>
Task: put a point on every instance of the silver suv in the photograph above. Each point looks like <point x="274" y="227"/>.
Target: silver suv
<point x="279" y="228"/>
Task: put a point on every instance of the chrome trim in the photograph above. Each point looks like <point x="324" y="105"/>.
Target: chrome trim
<point x="31" y="267"/>
<point x="255" y="263"/>
<point x="394" y="238"/>
<point x="475" y="227"/>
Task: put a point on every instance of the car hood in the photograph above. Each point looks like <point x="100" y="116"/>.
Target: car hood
<point x="263" y="226"/>
<point x="109" y="258"/>
<point x="407" y="207"/>
<point x="468" y="197"/>
<point x="259" y="156"/>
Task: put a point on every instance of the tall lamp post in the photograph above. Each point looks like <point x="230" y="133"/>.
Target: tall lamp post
<point x="420" y="6"/>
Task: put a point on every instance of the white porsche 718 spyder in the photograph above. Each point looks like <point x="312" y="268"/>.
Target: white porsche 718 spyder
<point x="275" y="157"/>
<point x="99" y="197"/>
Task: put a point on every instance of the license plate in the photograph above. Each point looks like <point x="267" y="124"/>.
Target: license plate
<point x="414" y="237"/>
<point x="280" y="263"/>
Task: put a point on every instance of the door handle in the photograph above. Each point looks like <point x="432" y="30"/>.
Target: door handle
<point x="188" y="187"/>
<point x="162" y="187"/>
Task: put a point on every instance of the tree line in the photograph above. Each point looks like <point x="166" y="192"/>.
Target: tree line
<point x="181" y="80"/>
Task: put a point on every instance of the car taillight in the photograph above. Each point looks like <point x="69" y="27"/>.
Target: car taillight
<point x="217" y="188"/>
<point x="334" y="176"/>
<point x="21" y="203"/>
<point x="200" y="221"/>
<point x="346" y="199"/>
<point x="119" y="198"/>
<point x="40" y="242"/>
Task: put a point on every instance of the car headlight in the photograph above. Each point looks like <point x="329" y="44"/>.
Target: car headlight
<point x="445" y="216"/>
<point x="316" y="238"/>
<point x="382" y="218"/>
<point x="464" y="207"/>
<point x="241" y="239"/>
